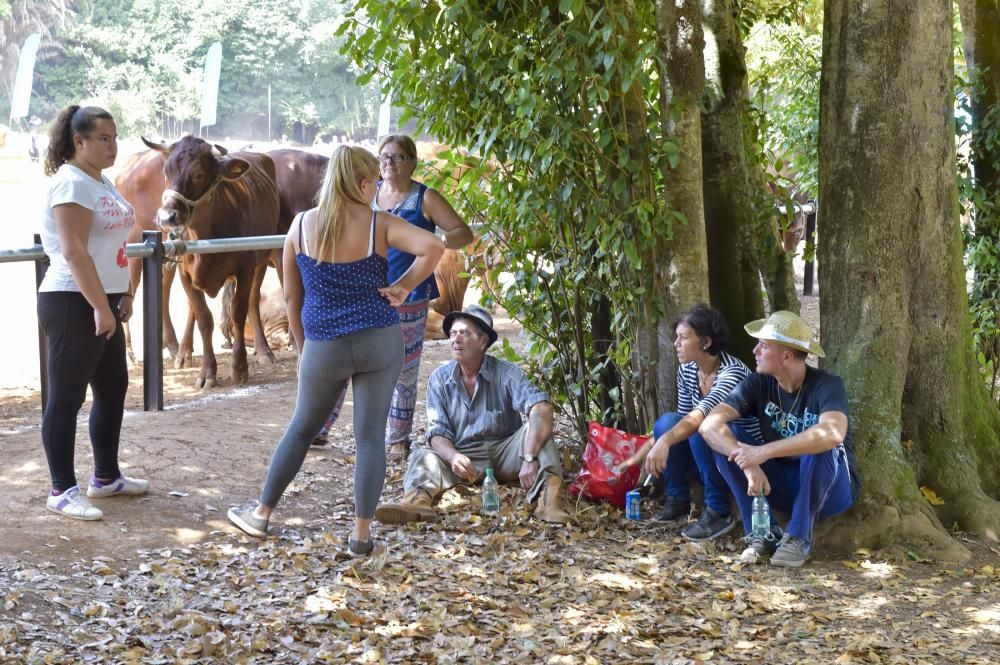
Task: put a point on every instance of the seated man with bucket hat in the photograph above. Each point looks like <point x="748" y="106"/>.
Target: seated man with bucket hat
<point x="474" y="421"/>
<point x="805" y="465"/>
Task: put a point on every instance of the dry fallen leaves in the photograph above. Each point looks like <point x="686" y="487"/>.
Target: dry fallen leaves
<point x="474" y="590"/>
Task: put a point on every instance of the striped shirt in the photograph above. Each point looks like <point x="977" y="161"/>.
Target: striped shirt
<point x="493" y="412"/>
<point x="731" y="373"/>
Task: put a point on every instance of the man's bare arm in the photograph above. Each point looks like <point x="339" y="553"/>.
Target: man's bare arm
<point x="539" y="427"/>
<point x="715" y="429"/>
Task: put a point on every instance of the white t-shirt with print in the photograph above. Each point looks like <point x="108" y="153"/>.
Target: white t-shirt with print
<point x="113" y="217"/>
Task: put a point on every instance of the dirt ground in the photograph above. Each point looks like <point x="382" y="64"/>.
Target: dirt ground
<point x="204" y="452"/>
<point x="164" y="578"/>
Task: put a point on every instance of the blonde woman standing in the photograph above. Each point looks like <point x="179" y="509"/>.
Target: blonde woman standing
<point x="398" y="193"/>
<point x="341" y="311"/>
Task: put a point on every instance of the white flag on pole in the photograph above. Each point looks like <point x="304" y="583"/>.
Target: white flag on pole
<point x="25" y="74"/>
<point x="210" y="85"/>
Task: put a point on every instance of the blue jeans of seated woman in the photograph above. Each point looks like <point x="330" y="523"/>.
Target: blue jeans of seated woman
<point x="809" y="488"/>
<point x="687" y="456"/>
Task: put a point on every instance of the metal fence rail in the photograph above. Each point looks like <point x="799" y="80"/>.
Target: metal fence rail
<point x="153" y="251"/>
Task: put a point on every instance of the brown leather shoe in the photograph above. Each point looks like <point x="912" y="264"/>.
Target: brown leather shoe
<point x="549" y="507"/>
<point x="415" y="506"/>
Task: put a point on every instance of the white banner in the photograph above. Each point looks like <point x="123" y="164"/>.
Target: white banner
<point x="25" y="75"/>
<point x="210" y="85"/>
<point x="384" y="112"/>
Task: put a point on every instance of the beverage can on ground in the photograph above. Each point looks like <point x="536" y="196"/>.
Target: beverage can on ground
<point x="632" y="500"/>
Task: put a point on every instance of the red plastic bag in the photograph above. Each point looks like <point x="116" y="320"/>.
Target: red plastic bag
<point x="607" y="447"/>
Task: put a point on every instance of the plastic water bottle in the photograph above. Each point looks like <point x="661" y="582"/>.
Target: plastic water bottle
<point x="491" y="494"/>
<point x="761" y="517"/>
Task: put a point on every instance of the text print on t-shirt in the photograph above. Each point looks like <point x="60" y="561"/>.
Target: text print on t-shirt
<point x="115" y="214"/>
<point x="789" y="424"/>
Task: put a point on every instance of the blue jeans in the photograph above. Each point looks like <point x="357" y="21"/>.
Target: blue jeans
<point x="687" y="456"/>
<point x="809" y="488"/>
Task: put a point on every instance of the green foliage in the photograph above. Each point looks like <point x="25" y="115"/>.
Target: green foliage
<point x="558" y="105"/>
<point x="784" y="66"/>
<point x="144" y="60"/>
<point x="978" y="137"/>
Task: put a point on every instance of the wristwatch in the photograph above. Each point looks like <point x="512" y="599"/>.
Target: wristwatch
<point x="529" y="458"/>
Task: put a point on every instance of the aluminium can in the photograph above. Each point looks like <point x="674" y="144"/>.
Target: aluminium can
<point x="632" y="500"/>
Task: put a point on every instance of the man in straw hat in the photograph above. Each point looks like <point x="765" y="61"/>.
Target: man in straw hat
<point x="474" y="408"/>
<point x="805" y="465"/>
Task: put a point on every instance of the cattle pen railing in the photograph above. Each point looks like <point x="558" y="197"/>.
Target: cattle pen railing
<point x="153" y="250"/>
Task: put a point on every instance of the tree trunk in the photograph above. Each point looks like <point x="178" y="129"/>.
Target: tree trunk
<point x="730" y="226"/>
<point x="683" y="275"/>
<point x="895" y="319"/>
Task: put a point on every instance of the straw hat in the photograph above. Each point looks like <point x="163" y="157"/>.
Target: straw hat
<point x="788" y="329"/>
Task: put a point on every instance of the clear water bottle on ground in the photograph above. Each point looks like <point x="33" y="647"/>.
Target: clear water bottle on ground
<point x="491" y="494"/>
<point x="760" y="517"/>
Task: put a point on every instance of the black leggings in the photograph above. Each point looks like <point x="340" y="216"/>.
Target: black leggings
<point x="78" y="358"/>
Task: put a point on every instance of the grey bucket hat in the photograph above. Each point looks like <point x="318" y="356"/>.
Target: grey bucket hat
<point x="477" y="315"/>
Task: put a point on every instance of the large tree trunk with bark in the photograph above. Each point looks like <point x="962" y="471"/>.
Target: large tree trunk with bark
<point x="895" y="319"/>
<point x="730" y="225"/>
<point x="683" y="274"/>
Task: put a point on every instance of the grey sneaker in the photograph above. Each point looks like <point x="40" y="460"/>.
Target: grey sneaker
<point x="710" y="525"/>
<point x="760" y="548"/>
<point x="249" y="523"/>
<point x="357" y="549"/>
<point x="792" y="552"/>
<point x="673" y="508"/>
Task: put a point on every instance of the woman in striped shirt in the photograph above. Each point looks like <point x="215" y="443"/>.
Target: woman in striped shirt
<point x="705" y="376"/>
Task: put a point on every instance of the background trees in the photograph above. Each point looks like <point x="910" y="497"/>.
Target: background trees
<point x="583" y="112"/>
<point x="144" y="58"/>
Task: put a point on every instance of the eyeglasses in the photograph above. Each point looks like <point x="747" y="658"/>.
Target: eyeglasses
<point x="395" y="159"/>
<point x="463" y="332"/>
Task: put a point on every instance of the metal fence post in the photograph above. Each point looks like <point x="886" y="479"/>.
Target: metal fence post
<point x="152" y="323"/>
<point x="41" y="266"/>
<point x="807" y="276"/>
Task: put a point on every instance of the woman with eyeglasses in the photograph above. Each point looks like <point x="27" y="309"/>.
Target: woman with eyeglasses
<point x="399" y="194"/>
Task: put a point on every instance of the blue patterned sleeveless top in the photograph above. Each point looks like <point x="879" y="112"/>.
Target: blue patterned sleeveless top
<point x="411" y="208"/>
<point x="342" y="298"/>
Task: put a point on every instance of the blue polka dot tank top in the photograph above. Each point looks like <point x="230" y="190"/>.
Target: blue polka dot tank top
<point x="342" y="298"/>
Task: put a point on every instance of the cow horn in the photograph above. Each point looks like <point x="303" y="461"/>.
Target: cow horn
<point x="222" y="151"/>
<point x="159" y="147"/>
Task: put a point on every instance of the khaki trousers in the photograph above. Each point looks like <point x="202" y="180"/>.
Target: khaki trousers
<point x="428" y="471"/>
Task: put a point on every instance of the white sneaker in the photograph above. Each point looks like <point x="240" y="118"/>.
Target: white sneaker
<point x="124" y="485"/>
<point x="73" y="504"/>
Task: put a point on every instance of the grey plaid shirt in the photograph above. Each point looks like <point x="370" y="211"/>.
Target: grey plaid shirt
<point x="493" y="412"/>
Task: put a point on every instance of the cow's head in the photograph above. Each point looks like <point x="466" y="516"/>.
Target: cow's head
<point x="193" y="170"/>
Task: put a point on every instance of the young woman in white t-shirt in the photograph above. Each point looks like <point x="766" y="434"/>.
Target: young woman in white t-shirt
<point x="84" y="298"/>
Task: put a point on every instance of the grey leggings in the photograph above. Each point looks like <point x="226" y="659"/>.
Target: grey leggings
<point x="371" y="360"/>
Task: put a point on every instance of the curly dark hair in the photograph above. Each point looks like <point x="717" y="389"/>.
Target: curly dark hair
<point x="69" y="121"/>
<point x="705" y="322"/>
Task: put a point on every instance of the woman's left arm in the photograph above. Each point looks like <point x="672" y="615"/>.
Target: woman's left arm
<point x="457" y="233"/>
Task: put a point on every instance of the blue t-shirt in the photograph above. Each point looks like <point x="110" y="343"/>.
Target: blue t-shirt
<point x="781" y="415"/>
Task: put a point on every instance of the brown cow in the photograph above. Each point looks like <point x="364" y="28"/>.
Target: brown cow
<point x="299" y="176"/>
<point x="220" y="196"/>
<point x="142" y="182"/>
